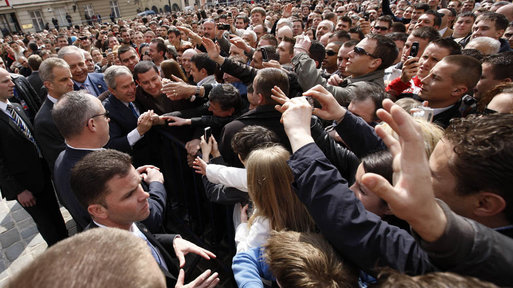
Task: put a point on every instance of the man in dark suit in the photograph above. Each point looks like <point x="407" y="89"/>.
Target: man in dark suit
<point x="83" y="139"/>
<point x="24" y="176"/>
<point x="129" y="124"/>
<point x="56" y="77"/>
<point x="82" y="79"/>
<point x="263" y="115"/>
<point x="34" y="62"/>
<point x="106" y="183"/>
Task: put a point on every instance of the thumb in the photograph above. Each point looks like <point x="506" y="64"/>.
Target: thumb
<point x="181" y="278"/>
<point x="378" y="185"/>
<point x="181" y="258"/>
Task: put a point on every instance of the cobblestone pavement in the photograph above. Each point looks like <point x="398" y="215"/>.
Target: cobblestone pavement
<point x="20" y="242"/>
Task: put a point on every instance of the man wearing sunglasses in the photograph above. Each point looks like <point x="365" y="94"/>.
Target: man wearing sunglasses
<point x="88" y="131"/>
<point x="381" y="25"/>
<point x="366" y="64"/>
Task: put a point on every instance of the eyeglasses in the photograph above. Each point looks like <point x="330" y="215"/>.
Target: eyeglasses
<point x="382" y="28"/>
<point x="360" y="51"/>
<point x="106" y="115"/>
<point x="330" y="53"/>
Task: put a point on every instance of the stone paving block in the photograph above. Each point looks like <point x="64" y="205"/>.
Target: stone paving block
<point x="13" y="205"/>
<point x="6" y="223"/>
<point x="9" y="237"/>
<point x="25" y="223"/>
<point x="28" y="232"/>
<point x="21" y="262"/>
<point x="36" y="241"/>
<point x="3" y="265"/>
<point x="20" y="215"/>
<point x="14" y="251"/>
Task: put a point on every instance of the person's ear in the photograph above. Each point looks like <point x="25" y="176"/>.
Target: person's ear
<point x="375" y="63"/>
<point x="261" y="99"/>
<point x="97" y="211"/>
<point x="490" y="204"/>
<point x="459" y="90"/>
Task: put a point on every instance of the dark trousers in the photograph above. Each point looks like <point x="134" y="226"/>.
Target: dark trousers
<point x="47" y="216"/>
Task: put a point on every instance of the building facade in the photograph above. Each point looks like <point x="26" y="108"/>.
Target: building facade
<point x="22" y="16"/>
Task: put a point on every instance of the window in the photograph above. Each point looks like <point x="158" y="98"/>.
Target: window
<point x="37" y="20"/>
<point x="89" y="10"/>
<point x="60" y="15"/>
<point x="114" y="8"/>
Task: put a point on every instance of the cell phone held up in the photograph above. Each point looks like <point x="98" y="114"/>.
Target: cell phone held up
<point x="414" y="50"/>
<point x="207" y="133"/>
<point x="222" y="26"/>
<point x="265" y="56"/>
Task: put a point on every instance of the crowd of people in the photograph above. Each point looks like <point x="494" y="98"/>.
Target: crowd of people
<point x="293" y="144"/>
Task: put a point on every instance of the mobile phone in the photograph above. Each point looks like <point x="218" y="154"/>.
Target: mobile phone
<point x="222" y="26"/>
<point x="265" y="57"/>
<point x="414" y="50"/>
<point x="207" y="133"/>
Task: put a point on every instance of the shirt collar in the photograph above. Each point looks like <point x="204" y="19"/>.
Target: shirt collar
<point x="54" y="100"/>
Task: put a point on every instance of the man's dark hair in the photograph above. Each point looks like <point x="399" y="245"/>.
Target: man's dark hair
<point x="244" y="18"/>
<point x="501" y="22"/>
<point x="449" y="44"/>
<point x="469" y="70"/>
<point x="34" y="61"/>
<point x="266" y="79"/>
<point x="437" y="18"/>
<point x="341" y="35"/>
<point x="428" y="33"/>
<point x="357" y="30"/>
<point x="502" y="65"/>
<point x="350" y="43"/>
<point x="250" y="138"/>
<point x="484" y="156"/>
<point x="123" y="49"/>
<point x="421" y="6"/>
<point x="376" y="94"/>
<point x="330" y="16"/>
<point x="317" y="52"/>
<point x="161" y="46"/>
<point x="143" y="67"/>
<point x="466" y="14"/>
<point x="300" y="21"/>
<point x="292" y="42"/>
<point x="227" y="96"/>
<point x="385" y="50"/>
<point x="398" y="36"/>
<point x="201" y="61"/>
<point x="33" y="46"/>
<point x="90" y="175"/>
<point x="174" y="30"/>
<point x="398" y="27"/>
<point x="385" y="18"/>
<point x="474" y="53"/>
<point x="270" y="38"/>
<point x="346" y="19"/>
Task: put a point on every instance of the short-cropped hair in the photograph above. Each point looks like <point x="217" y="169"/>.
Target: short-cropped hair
<point x="484" y="155"/>
<point x="72" y="112"/>
<point x="143" y="67"/>
<point x="113" y="72"/>
<point x="90" y="175"/>
<point x="391" y="279"/>
<point x="385" y="50"/>
<point x="227" y="96"/>
<point x="70" y="50"/>
<point x="427" y="33"/>
<point x="202" y="61"/>
<point x="47" y="66"/>
<point x="469" y="70"/>
<point x="307" y="260"/>
<point x="94" y="258"/>
<point x="250" y="138"/>
<point x="266" y="79"/>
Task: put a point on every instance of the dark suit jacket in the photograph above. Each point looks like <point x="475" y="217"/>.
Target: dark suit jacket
<point x="50" y="140"/>
<point x="25" y="93"/>
<point x="63" y="165"/>
<point x="20" y="165"/>
<point x="36" y="82"/>
<point x="164" y="243"/>
<point x="99" y="85"/>
<point x="265" y="116"/>
<point x="443" y="119"/>
<point x="122" y="121"/>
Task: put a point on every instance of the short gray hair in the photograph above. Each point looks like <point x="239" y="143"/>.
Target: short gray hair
<point x="113" y="72"/>
<point x="70" y="50"/>
<point x="72" y="111"/>
<point x="47" y="66"/>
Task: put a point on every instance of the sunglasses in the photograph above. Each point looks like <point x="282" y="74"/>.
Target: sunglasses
<point x="382" y="28"/>
<point x="360" y="51"/>
<point x="331" y="53"/>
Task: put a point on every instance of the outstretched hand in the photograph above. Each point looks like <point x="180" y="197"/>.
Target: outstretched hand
<point x="205" y="280"/>
<point x="296" y="117"/>
<point x="411" y="198"/>
<point x="183" y="247"/>
<point x="330" y="109"/>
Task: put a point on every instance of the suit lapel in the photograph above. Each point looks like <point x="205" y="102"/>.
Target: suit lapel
<point x="13" y="125"/>
<point x="167" y="258"/>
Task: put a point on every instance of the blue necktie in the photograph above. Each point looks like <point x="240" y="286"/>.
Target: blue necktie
<point x="17" y="120"/>
<point x="131" y="106"/>
<point x="156" y="254"/>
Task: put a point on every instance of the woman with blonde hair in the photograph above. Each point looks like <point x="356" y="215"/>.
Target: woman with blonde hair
<point x="276" y="206"/>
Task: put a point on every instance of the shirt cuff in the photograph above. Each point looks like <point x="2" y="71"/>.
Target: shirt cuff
<point x="133" y="137"/>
